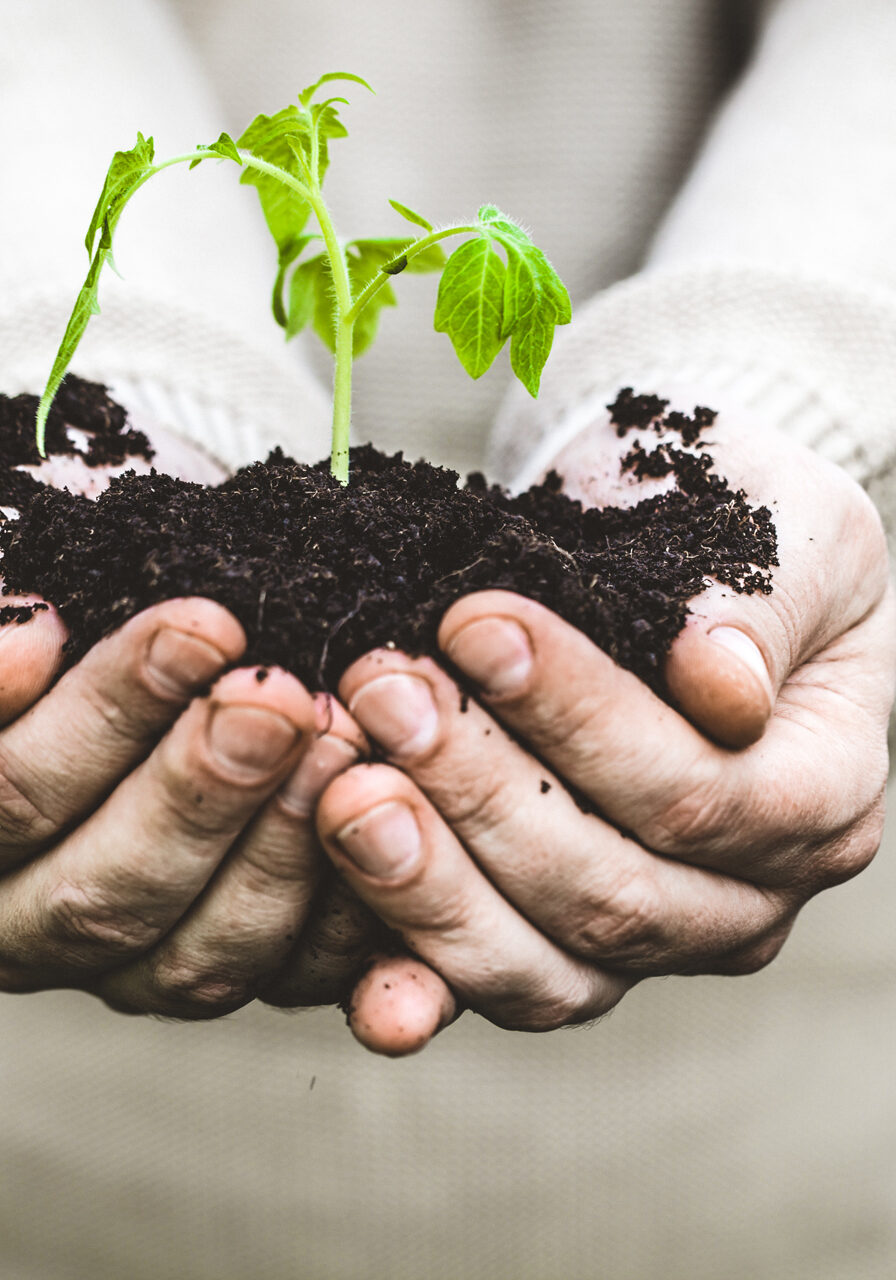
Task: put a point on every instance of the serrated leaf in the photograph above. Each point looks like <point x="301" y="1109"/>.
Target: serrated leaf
<point x="367" y="322"/>
<point x="328" y="125"/>
<point x="307" y="94"/>
<point x="470" y="304"/>
<point x="417" y="218"/>
<point x="283" y="140"/>
<point x="535" y="298"/>
<point x="225" y="147"/>
<point x="365" y="260"/>
<point x="126" y="171"/>
<point x="286" y="258"/>
<point x="86" y="305"/>
<point x="308" y="281"/>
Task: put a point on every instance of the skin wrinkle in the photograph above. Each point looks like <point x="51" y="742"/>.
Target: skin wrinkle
<point x="34" y="826"/>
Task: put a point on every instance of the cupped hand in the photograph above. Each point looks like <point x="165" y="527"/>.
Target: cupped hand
<point x="157" y="844"/>
<point x="566" y="833"/>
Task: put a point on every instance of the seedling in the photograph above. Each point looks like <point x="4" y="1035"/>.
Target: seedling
<point x="483" y="299"/>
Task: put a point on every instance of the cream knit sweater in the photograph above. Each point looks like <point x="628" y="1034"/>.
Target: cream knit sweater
<point x="716" y="182"/>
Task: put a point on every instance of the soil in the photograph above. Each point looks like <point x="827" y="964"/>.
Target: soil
<point x="318" y="573"/>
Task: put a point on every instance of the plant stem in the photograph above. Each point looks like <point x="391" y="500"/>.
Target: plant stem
<point x="344" y="338"/>
<point x="345" y="313"/>
<point x="382" y="278"/>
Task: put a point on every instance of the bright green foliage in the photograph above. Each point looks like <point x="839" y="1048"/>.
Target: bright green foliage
<point x="224" y="149"/>
<point x="496" y="286"/>
<point x="482" y="302"/>
<point x="312" y="297"/>
<point x="470" y="304"/>
<point x="128" y="171"/>
<point x="409" y="214"/>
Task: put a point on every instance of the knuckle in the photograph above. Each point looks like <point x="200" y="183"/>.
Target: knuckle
<point x="195" y="991"/>
<point x="696" y="818"/>
<point x="193" y="804"/>
<point x="757" y="955"/>
<point x="853" y="850"/>
<point x="621" y="925"/>
<point x="22" y="821"/>
<point x="448" y="914"/>
<point x="562" y="724"/>
<point x="87" y="927"/>
<point x="561" y="1000"/>
<point x="118" y="718"/>
<point x="481" y="805"/>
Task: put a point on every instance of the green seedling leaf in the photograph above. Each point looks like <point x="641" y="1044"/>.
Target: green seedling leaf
<point x="126" y="172"/>
<point x="366" y="259"/>
<point x="496" y="286"/>
<point x="288" y="255"/>
<point x="310" y="298"/>
<point x="417" y="218"/>
<point x="314" y="290"/>
<point x="535" y="299"/>
<point x="225" y="147"/>
<point x="470" y="304"/>
<point x="390" y="254"/>
<point x="307" y="94"/>
<point x="283" y="140"/>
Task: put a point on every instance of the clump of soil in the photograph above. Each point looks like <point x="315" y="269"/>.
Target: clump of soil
<point x="318" y="573"/>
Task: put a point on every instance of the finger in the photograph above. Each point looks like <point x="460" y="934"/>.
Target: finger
<point x="336" y="943"/>
<point x="727" y="668"/>
<point x="399" y="1005"/>
<point x="401" y="858"/>
<point x="247" y="920"/>
<point x="30" y="655"/>
<point x="754" y="813"/>
<point x="718" y="676"/>
<point x="341" y="931"/>
<point x="125" y="877"/>
<point x="739" y="648"/>
<point x="60" y="759"/>
<point x="595" y="891"/>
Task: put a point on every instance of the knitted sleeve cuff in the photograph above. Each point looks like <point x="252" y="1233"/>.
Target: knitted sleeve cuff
<point x="197" y="377"/>
<point x="808" y="356"/>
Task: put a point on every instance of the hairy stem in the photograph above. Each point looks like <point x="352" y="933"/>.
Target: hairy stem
<point x="382" y="278"/>
<point x="345" y="329"/>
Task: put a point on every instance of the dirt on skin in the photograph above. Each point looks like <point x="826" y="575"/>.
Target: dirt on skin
<point x="318" y="573"/>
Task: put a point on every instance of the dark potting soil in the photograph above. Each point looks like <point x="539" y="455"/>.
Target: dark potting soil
<point x="318" y="573"/>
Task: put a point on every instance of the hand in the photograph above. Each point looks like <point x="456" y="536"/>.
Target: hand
<point x="692" y="858"/>
<point x="156" y="844"/>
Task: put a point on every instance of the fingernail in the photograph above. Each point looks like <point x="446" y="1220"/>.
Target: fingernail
<point x="399" y="711"/>
<point x="740" y="644"/>
<point x="252" y="740"/>
<point x="327" y="758"/>
<point x="384" y="842"/>
<point x="182" y="663"/>
<point x="494" y="652"/>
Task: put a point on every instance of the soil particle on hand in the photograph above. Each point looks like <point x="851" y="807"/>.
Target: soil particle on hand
<point x="341" y="570"/>
<point x="19" y="612"/>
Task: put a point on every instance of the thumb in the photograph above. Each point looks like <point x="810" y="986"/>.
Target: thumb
<point x="724" y="679"/>
<point x="30" y="655"/>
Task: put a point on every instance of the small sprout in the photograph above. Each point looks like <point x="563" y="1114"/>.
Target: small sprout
<point x="497" y="286"/>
